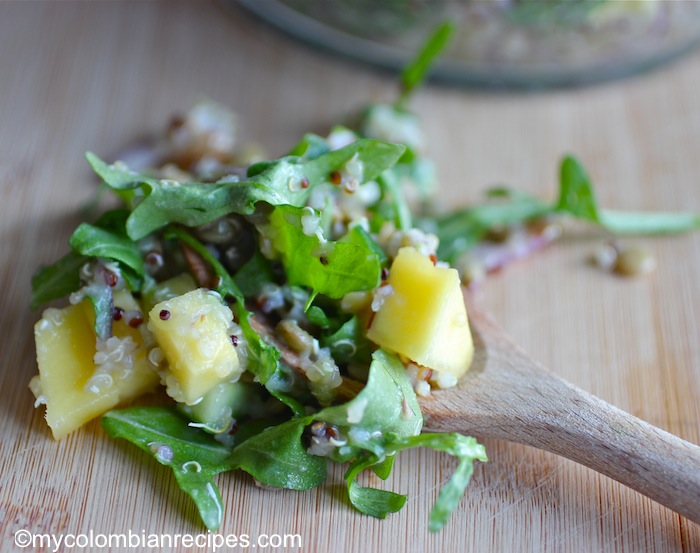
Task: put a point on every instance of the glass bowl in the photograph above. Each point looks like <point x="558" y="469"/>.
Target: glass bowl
<point x="499" y="43"/>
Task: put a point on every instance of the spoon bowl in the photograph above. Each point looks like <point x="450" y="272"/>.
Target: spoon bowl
<point x="509" y="396"/>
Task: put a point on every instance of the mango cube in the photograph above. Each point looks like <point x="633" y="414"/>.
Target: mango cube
<point x="73" y="387"/>
<point x="192" y="330"/>
<point x="423" y="316"/>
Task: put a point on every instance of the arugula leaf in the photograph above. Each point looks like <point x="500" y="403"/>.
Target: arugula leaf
<point x="415" y="73"/>
<point x="105" y="239"/>
<point x="379" y="503"/>
<point x="371" y="501"/>
<point x="329" y="268"/>
<point x="383" y="468"/>
<point x="253" y="275"/>
<point x="577" y="198"/>
<point x="117" y="176"/>
<point x="57" y="280"/>
<point x="310" y="146"/>
<point x="358" y="235"/>
<point x="576" y="194"/>
<point x="191" y="204"/>
<point x="375" y="157"/>
<point x="465" y="448"/>
<point x="349" y="343"/>
<point x="102" y="299"/>
<point x="277" y="183"/>
<point x="386" y="405"/>
<point x="390" y="422"/>
<point x="461" y="230"/>
<point x="396" y="205"/>
<point x="194" y="456"/>
<point x="277" y="457"/>
<point x="92" y="241"/>
<point x="648" y="222"/>
<point x="317" y="316"/>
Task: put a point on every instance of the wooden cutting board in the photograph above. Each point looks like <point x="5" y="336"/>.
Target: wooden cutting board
<point x="77" y="76"/>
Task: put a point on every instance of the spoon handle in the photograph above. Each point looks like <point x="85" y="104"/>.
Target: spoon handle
<point x="509" y="396"/>
<point x="649" y="460"/>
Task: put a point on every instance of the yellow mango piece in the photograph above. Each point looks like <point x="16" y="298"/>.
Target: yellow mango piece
<point x="423" y="316"/>
<point x="192" y="332"/>
<point x="68" y="381"/>
<point x="175" y="286"/>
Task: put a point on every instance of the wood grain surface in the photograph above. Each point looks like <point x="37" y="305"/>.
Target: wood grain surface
<point x="77" y="76"/>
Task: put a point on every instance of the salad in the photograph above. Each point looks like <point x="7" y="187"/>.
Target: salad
<point x="289" y="311"/>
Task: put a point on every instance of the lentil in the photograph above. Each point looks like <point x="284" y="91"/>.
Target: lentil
<point x="634" y="261"/>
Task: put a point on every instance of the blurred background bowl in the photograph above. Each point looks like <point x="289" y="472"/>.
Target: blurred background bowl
<point x="499" y="43"/>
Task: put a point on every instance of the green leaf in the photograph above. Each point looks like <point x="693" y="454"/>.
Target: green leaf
<point x="466" y="449"/>
<point x="277" y="457"/>
<point x="263" y="358"/>
<point x="383" y="468"/>
<point x="117" y="176"/>
<point x="451" y="494"/>
<point x="284" y="181"/>
<point x="648" y="222"/>
<point x="375" y="157"/>
<point x="390" y="421"/>
<point x="395" y="202"/>
<point x="318" y="317"/>
<point x="193" y="455"/>
<point x="358" y="235"/>
<point x="329" y="268"/>
<point x="114" y="220"/>
<point x="190" y="204"/>
<point x="415" y="73"/>
<point x="463" y="229"/>
<point x="350" y="343"/>
<point x="577" y="197"/>
<point x="102" y="301"/>
<point x="576" y="194"/>
<point x="92" y="241"/>
<point x="253" y="275"/>
<point x="371" y="501"/>
<point x="57" y="280"/>
<point x="310" y="146"/>
<point x="386" y="405"/>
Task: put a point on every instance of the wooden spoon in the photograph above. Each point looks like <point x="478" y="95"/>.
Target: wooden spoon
<point x="509" y="396"/>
